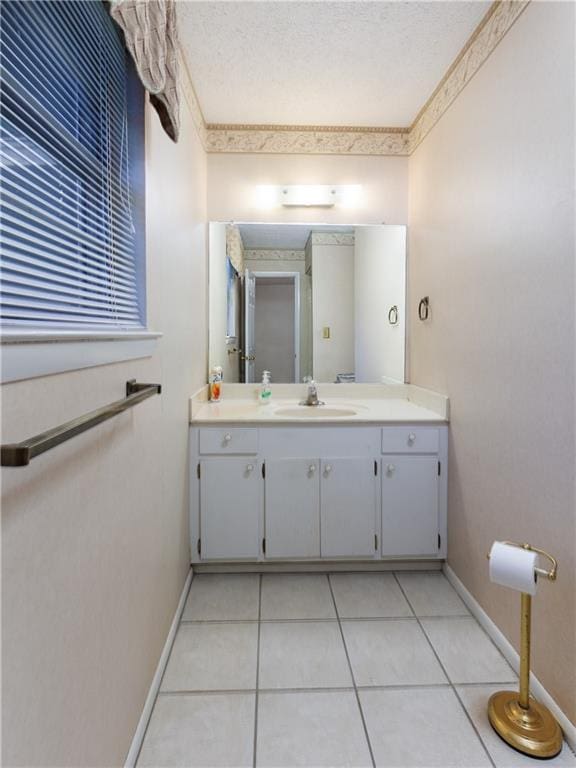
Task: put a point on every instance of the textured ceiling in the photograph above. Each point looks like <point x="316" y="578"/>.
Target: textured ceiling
<point x="272" y="237"/>
<point x="363" y="63"/>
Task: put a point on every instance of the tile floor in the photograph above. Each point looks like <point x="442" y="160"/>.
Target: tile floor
<point x="372" y="669"/>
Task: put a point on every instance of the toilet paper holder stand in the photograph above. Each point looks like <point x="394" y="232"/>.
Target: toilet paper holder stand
<point x="524" y="723"/>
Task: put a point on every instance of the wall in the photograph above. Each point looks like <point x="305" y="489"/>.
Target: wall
<point x="492" y="244"/>
<point x="95" y="533"/>
<point x="379" y="284"/>
<point x="332" y="307"/>
<point x="232" y="180"/>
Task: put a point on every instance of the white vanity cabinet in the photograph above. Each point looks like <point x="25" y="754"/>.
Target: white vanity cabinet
<point x="322" y="493"/>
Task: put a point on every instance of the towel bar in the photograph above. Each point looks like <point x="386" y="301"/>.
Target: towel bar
<point x="19" y="454"/>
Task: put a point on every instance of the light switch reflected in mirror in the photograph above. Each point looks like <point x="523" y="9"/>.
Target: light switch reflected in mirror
<point x="307" y="300"/>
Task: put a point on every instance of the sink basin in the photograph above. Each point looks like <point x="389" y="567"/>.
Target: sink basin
<point x="315" y="412"/>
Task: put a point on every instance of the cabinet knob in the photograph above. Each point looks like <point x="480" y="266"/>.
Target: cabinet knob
<point x="411" y="438"/>
<point x="390" y="469"/>
<point x="227" y="438"/>
<point x="327" y="469"/>
<point x="249" y="467"/>
<point x="312" y="468"/>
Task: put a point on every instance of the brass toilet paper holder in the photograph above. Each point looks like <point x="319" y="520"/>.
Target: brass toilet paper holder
<point x="524" y="723"/>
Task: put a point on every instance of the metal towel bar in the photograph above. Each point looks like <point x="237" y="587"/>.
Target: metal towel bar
<point x="19" y="454"/>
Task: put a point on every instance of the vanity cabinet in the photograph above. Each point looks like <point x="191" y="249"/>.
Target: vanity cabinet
<point x="324" y="493"/>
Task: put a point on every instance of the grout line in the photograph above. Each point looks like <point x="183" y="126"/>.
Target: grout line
<point x="162" y="679"/>
<point x="208" y="692"/>
<point x="324" y="620"/>
<point x="352" y="675"/>
<point x="255" y="746"/>
<point x="327" y="689"/>
<point x="452" y="685"/>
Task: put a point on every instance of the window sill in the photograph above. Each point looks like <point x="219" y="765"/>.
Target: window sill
<point x="30" y="354"/>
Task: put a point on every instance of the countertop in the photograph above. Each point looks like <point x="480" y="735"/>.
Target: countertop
<point x="373" y="404"/>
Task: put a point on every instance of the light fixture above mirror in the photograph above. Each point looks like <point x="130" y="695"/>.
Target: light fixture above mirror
<point x="309" y="195"/>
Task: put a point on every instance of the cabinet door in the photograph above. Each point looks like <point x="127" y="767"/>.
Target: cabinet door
<point x="292" y="508"/>
<point x="348" y="508"/>
<point x="230" y="508"/>
<point x="410" y="505"/>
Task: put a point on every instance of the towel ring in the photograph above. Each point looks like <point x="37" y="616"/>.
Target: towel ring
<point x="424" y="308"/>
<point x="393" y="315"/>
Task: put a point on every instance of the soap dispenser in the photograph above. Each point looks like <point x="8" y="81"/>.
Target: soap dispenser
<point x="265" y="393"/>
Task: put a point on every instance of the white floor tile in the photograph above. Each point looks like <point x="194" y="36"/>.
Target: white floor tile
<point x="310" y="729"/>
<point x="295" y="596"/>
<point x="211" y="657"/>
<point x="467" y="653"/>
<point x="431" y="594"/>
<point x="391" y="653"/>
<point x="420" y="728"/>
<point x="475" y="699"/>
<point x="222" y="597"/>
<point x="200" y="730"/>
<point x="368" y="595"/>
<point x="303" y="655"/>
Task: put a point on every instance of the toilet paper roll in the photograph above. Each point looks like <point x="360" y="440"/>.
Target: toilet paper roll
<point x="513" y="567"/>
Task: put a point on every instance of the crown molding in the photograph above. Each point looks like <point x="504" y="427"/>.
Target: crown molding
<point x="357" y="140"/>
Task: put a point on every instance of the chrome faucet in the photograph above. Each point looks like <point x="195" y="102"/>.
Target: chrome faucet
<point x="312" y="397"/>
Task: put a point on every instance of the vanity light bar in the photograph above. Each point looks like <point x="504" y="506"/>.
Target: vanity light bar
<point x="309" y="195"/>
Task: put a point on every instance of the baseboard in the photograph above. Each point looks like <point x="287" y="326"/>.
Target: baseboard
<point x="511" y="655"/>
<point x="157" y="679"/>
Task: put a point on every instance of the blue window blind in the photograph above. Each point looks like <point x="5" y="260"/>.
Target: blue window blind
<point x="72" y="170"/>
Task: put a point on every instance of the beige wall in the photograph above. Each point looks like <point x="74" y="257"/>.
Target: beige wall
<point x="232" y="180"/>
<point x="95" y="533"/>
<point x="333" y="308"/>
<point x="492" y="244"/>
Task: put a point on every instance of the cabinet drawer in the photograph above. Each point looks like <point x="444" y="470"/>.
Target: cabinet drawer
<point x="228" y="441"/>
<point x="410" y="440"/>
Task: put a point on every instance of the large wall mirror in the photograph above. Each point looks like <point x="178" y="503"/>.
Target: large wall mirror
<point x="305" y="300"/>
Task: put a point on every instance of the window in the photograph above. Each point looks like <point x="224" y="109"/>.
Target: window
<point x="72" y="161"/>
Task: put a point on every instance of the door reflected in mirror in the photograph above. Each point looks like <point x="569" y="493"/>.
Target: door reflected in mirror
<point x="306" y="300"/>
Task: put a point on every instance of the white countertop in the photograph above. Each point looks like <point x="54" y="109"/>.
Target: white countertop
<point x="372" y="404"/>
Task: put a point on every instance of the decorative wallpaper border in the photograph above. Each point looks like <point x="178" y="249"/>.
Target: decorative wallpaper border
<point x="335" y="140"/>
<point x="498" y="20"/>
<point x="192" y="100"/>
<point x="300" y="140"/>
<point x="332" y="238"/>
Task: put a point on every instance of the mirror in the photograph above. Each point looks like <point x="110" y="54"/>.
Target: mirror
<point x="306" y="300"/>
